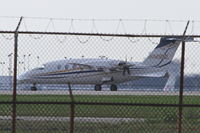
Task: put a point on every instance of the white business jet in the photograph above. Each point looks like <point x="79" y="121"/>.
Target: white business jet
<point x="105" y="71"/>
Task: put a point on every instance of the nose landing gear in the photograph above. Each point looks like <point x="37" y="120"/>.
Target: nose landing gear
<point x="34" y="88"/>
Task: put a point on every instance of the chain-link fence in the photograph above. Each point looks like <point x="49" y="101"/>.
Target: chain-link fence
<point x="70" y="82"/>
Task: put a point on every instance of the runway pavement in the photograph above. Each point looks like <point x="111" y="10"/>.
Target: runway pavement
<point x="77" y="119"/>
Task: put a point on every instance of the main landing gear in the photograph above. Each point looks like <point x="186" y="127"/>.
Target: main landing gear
<point x="34" y="88"/>
<point x="98" y="87"/>
<point x="113" y="87"/>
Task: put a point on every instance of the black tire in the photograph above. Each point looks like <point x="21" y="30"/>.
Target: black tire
<point x="113" y="87"/>
<point x="97" y="88"/>
<point x="33" y="88"/>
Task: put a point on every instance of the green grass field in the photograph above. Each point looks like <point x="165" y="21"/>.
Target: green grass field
<point x="156" y="119"/>
<point x="94" y="110"/>
<point x="105" y="98"/>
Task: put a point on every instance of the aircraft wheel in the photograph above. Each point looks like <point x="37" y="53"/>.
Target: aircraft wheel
<point x="34" y="88"/>
<point x="97" y="88"/>
<point x="113" y="87"/>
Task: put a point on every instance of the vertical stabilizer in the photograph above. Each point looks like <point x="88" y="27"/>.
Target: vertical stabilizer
<point x="163" y="54"/>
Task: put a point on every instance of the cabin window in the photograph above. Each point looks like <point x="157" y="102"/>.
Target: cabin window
<point x="75" y="66"/>
<point x="66" y="67"/>
<point x="59" y="67"/>
<point x="81" y="67"/>
<point x="84" y="67"/>
<point x="40" y="68"/>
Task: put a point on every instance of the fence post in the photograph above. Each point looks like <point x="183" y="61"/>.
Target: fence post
<point x="72" y="110"/>
<point x="180" y="113"/>
<point x="15" y="77"/>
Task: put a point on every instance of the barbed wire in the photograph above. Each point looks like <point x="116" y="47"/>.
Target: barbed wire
<point x="94" y="29"/>
<point x="73" y="30"/>
<point x="8" y="37"/>
<point x="36" y="36"/>
<point x="103" y="19"/>
<point x="168" y="24"/>
<point x="58" y="38"/>
<point x="145" y="32"/>
<point x="116" y="31"/>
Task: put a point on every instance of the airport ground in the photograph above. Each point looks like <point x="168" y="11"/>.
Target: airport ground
<point x="35" y="118"/>
<point x="99" y="127"/>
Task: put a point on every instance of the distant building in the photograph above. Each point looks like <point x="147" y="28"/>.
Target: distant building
<point x="191" y="83"/>
<point x="6" y="82"/>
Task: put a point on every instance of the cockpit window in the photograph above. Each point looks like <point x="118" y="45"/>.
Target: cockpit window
<point x="40" y="68"/>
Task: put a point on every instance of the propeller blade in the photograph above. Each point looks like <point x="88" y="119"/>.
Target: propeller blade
<point x="126" y="69"/>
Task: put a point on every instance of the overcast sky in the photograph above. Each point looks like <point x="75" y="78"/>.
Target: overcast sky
<point x="145" y="9"/>
<point x="99" y="9"/>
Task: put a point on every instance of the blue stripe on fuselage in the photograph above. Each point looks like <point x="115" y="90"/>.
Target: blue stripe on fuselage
<point x="66" y="73"/>
<point x="75" y="72"/>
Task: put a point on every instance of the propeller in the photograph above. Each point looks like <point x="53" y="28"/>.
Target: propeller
<point x="125" y="67"/>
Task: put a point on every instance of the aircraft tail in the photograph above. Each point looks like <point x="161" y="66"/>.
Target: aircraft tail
<point x="163" y="54"/>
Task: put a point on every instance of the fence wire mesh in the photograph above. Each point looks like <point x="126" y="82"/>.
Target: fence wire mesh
<point x="69" y="82"/>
